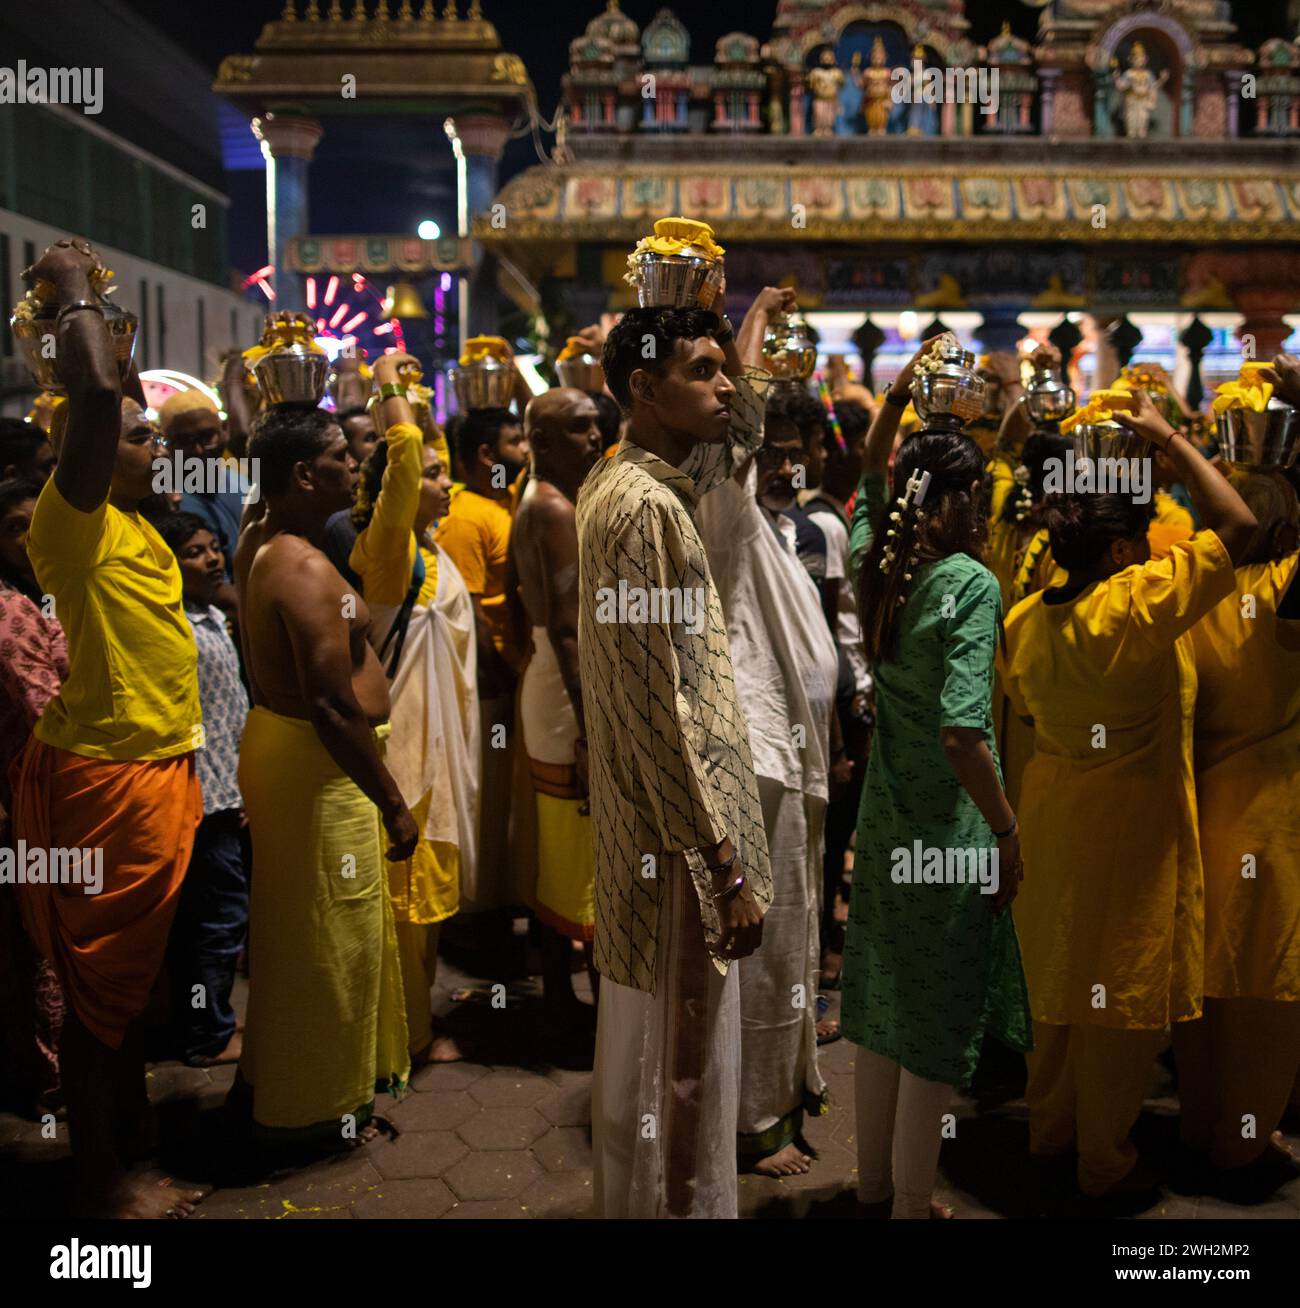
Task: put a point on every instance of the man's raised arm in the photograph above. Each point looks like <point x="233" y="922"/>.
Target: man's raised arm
<point x="88" y="366"/>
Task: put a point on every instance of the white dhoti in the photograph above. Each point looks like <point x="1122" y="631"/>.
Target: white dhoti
<point x="780" y="1078"/>
<point x="666" y="1083"/>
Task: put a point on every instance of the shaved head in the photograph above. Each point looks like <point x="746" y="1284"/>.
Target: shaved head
<point x="552" y="410"/>
<point x="563" y="431"/>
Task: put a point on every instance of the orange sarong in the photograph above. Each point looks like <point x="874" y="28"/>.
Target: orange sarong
<point x="106" y="948"/>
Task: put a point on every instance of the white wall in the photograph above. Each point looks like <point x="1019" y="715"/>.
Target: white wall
<point x="182" y="295"/>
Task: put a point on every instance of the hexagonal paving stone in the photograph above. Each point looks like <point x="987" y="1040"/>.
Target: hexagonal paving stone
<point x="500" y="1174"/>
<point x="167" y="1081"/>
<point x="223" y="1205"/>
<point x="571" y="1107"/>
<point x="447" y="1076"/>
<point x="438" y="1110"/>
<point x="562" y="1194"/>
<point x="486" y="1209"/>
<point x="569" y="1076"/>
<point x="564" y="1149"/>
<point x="333" y="1185"/>
<point x="502" y="1128"/>
<point x="511" y="1089"/>
<point x="417" y="1154"/>
<point x="406" y="1199"/>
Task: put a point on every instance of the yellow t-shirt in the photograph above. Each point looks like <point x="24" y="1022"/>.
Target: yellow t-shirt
<point x="1247" y="745"/>
<point x="476" y="534"/>
<point x="384" y="553"/>
<point x="132" y="690"/>
<point x="1110" y="916"/>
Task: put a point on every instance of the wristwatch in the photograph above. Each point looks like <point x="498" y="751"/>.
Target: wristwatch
<point x="728" y="332"/>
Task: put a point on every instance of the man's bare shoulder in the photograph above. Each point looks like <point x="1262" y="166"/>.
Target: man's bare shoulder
<point x="291" y="564"/>
<point x="547" y="506"/>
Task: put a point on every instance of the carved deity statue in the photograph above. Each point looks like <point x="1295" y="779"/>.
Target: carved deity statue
<point x="876" y="82"/>
<point x="825" y="82"/>
<point x="1139" y="93"/>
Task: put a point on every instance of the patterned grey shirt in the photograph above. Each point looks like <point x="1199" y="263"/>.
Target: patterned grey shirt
<point x="670" y="767"/>
<point x="225" y="706"/>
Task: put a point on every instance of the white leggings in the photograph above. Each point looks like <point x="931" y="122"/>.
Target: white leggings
<point x="898" y="1114"/>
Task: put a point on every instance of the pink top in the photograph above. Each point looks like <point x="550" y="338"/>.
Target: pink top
<point x="33" y="664"/>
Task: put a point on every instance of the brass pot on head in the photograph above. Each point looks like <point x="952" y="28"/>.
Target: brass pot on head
<point x="487" y="383"/>
<point x="952" y="394"/>
<point x="294" y="370"/>
<point x="689" y="280"/>
<point x="581" y="371"/>
<point x="1270" y="439"/>
<point x="1107" y="440"/>
<point x="1048" y="399"/>
<point x="789" y="353"/>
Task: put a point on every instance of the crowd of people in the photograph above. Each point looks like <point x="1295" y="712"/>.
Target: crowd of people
<point x="742" y="697"/>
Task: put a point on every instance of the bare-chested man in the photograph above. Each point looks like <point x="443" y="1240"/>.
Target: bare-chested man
<point x="325" y="1017"/>
<point x="563" y="431"/>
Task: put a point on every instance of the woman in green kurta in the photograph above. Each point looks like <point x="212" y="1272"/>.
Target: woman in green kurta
<point x="931" y="960"/>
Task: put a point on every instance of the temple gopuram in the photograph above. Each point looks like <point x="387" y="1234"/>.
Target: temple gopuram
<point x="1132" y="173"/>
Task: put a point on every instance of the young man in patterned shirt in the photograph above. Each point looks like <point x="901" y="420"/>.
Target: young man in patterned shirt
<point x="682" y="876"/>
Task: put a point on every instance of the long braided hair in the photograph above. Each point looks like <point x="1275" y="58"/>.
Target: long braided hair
<point x="937" y="509"/>
<point x="1024" y="505"/>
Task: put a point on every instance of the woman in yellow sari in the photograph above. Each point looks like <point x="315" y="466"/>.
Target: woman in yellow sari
<point x="1110" y="918"/>
<point x="423" y="628"/>
<point x="1237" y="1063"/>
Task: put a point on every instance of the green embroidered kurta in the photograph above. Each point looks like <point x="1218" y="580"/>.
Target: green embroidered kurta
<point x="929" y="967"/>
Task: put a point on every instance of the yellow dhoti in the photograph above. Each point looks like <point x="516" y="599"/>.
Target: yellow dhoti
<point x="326" y="1025"/>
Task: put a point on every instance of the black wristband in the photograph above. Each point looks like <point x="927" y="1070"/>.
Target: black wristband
<point x="891" y="398"/>
<point x="1010" y="831"/>
<point x="728" y="332"/>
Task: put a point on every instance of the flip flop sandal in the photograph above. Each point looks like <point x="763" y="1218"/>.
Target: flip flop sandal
<point x="829" y="1037"/>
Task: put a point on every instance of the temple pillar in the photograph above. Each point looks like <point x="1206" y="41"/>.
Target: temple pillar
<point x="1107" y="365"/>
<point x="1000" y="328"/>
<point x="1232" y="100"/>
<point x="796" y="123"/>
<point x="1263" y="328"/>
<point x="288" y="144"/>
<point x="1183" y="127"/>
<point x="483" y="138"/>
<point x="1263" y="284"/>
<point x="1047" y="78"/>
<point x="1101" y="119"/>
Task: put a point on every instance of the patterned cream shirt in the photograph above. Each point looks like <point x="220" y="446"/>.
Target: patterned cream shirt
<point x="669" y="762"/>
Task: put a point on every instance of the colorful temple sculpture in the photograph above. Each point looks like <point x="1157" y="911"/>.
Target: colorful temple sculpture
<point x="1133" y="157"/>
<point x="1126" y="158"/>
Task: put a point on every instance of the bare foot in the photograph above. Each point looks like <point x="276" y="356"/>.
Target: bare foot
<point x="365" y="1135"/>
<point x="828" y="1031"/>
<point x="134" y="1197"/>
<point x="790" y="1161"/>
<point x="444" y="1049"/>
<point x="940" y="1212"/>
